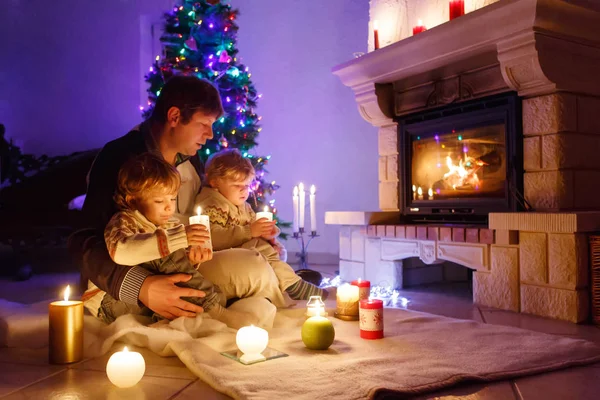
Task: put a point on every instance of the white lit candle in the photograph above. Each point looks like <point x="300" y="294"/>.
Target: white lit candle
<point x="414" y="188"/>
<point x="313" y="210"/>
<point x="252" y="341"/>
<point x="420" y="193"/>
<point x="200" y="219"/>
<point x="430" y="193"/>
<point x="302" y="204"/>
<point x="265" y="214"/>
<point x="295" y="201"/>
<point x="125" y="368"/>
<point x="347" y="302"/>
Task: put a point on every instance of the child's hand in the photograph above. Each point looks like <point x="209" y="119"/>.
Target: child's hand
<point x="199" y="255"/>
<point x="261" y="227"/>
<point x="197" y="235"/>
<point x="272" y="234"/>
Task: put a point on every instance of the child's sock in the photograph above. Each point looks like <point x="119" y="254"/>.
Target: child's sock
<point x="233" y="319"/>
<point x="302" y="290"/>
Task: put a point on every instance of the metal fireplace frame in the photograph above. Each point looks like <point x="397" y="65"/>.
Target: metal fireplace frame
<point x="505" y="108"/>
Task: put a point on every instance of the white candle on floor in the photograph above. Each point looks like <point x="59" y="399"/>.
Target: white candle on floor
<point x="125" y="368"/>
<point x="252" y="341"/>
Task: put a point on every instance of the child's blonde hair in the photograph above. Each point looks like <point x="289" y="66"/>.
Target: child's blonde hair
<point x="228" y="164"/>
<point x="143" y="175"/>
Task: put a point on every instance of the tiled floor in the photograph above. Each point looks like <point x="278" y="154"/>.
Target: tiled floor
<point x="25" y="374"/>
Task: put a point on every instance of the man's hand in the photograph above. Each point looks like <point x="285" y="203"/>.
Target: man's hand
<point x="160" y="294"/>
<point x="261" y="227"/>
<point x="198" y="255"/>
<point x="197" y="235"/>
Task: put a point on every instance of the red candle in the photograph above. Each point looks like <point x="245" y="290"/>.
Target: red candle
<point x="364" y="288"/>
<point x="419" y="28"/>
<point x="376" y="35"/>
<point x="371" y="318"/>
<point x="457" y="8"/>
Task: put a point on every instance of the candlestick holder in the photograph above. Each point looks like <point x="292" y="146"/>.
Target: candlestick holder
<point x="305" y="272"/>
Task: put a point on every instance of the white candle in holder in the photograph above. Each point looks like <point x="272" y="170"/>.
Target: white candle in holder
<point x="420" y="193"/>
<point x="414" y="188"/>
<point x="252" y="341"/>
<point x="125" y="368"/>
<point x="265" y="214"/>
<point x="302" y="204"/>
<point x="430" y="193"/>
<point x="200" y="219"/>
<point x="295" y="202"/>
<point x="313" y="209"/>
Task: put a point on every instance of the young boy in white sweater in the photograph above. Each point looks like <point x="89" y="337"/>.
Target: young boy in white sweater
<point x="142" y="233"/>
<point x="233" y="222"/>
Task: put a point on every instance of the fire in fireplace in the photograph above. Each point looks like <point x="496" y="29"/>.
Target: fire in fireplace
<point x="461" y="162"/>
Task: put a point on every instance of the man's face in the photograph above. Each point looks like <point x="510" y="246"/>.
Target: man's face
<point x="189" y="138"/>
<point x="157" y="206"/>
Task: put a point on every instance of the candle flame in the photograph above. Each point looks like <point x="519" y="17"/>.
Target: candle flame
<point x="430" y="192"/>
<point x="419" y="191"/>
<point x="358" y="280"/>
<point x="375" y="25"/>
<point x="125" y="349"/>
<point x="420" y="23"/>
<point x="318" y="311"/>
<point x="266" y="209"/>
<point x="295" y="190"/>
<point x="414" y="188"/>
<point x="313" y="189"/>
<point x="199" y="210"/>
<point x="67" y="293"/>
<point x="301" y="187"/>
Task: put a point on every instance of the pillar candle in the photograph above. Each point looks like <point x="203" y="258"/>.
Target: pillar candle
<point x="347" y="302"/>
<point x="265" y="214"/>
<point x="371" y="319"/>
<point x="313" y="210"/>
<point x="295" y="202"/>
<point x="376" y="35"/>
<point x="419" y="28"/>
<point x="65" y="330"/>
<point x="302" y="194"/>
<point x="202" y="220"/>
<point x="457" y="8"/>
<point x="364" y="288"/>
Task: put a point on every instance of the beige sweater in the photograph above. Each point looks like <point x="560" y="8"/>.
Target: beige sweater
<point x="132" y="239"/>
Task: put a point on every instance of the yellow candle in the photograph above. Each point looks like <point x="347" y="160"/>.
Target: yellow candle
<point x="347" y="302"/>
<point x="318" y="333"/>
<point x="65" y="330"/>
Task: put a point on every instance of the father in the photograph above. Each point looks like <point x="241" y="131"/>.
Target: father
<point x="180" y="124"/>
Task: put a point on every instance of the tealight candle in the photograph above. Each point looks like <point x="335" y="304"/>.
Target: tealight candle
<point x="200" y="219"/>
<point x="315" y="306"/>
<point x="265" y="214"/>
<point x="371" y="319"/>
<point x="347" y="302"/>
<point x="252" y="341"/>
<point x="318" y="333"/>
<point x="125" y="368"/>
<point x="65" y="332"/>
<point x="364" y="288"/>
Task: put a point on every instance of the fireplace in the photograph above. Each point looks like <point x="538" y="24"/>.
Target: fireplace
<point x="462" y="161"/>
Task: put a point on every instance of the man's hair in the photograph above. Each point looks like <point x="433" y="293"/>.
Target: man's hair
<point x="228" y="164"/>
<point x="190" y="95"/>
<point x="142" y="176"/>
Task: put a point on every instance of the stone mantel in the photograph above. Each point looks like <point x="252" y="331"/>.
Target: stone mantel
<point x="518" y="43"/>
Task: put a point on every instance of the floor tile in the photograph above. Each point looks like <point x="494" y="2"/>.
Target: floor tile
<point x="491" y="391"/>
<point x="24" y="356"/>
<point x="166" y="367"/>
<point x="200" y="390"/>
<point x="92" y="385"/>
<point x="16" y="376"/>
<point x="576" y="383"/>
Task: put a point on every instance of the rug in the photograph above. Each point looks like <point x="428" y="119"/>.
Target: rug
<point x="420" y="353"/>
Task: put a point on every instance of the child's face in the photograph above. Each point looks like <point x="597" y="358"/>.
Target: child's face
<point x="236" y="191"/>
<point x="158" y="207"/>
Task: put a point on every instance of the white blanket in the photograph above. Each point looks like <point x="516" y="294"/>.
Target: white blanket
<point x="420" y="352"/>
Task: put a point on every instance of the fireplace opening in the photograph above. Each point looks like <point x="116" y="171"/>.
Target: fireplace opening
<point x="444" y="277"/>
<point x="461" y="162"/>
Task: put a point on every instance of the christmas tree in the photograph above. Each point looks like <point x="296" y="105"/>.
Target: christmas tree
<point x="200" y="39"/>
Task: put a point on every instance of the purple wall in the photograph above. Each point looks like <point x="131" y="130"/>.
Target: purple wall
<point x="72" y="79"/>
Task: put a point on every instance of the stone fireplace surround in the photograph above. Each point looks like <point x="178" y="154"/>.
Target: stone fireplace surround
<point x="548" y="51"/>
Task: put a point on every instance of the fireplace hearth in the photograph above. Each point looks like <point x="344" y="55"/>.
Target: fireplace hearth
<point x="461" y="162"/>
